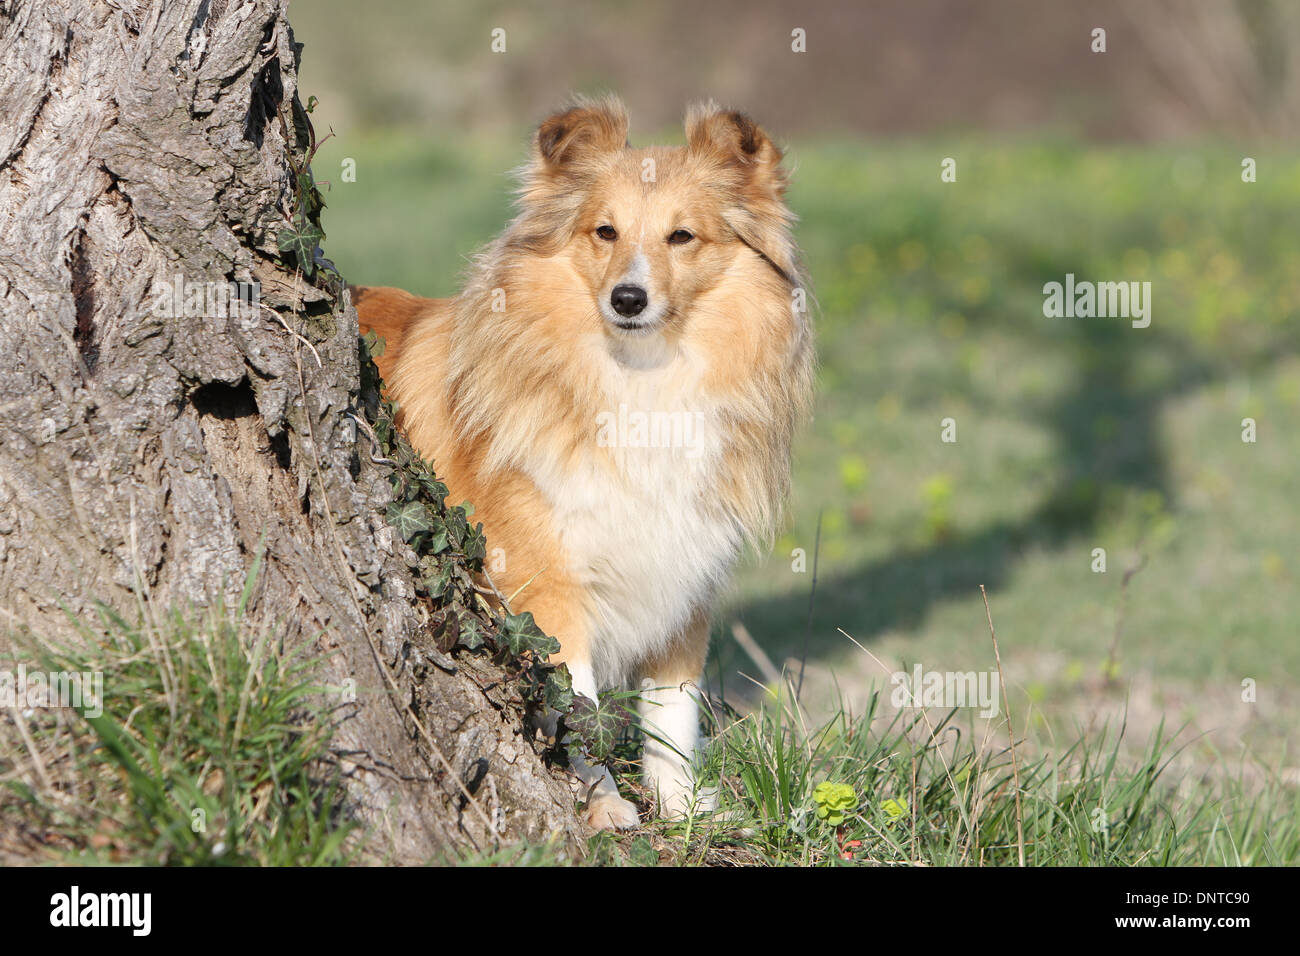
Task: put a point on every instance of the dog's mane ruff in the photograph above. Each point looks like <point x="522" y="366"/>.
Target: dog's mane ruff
<point x="760" y="419"/>
<point x="510" y="385"/>
<point x="516" y="391"/>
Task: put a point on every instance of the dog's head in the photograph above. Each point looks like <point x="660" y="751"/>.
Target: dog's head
<point x="650" y="231"/>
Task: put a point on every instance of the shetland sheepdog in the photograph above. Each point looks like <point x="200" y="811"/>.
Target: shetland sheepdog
<point x="616" y="390"/>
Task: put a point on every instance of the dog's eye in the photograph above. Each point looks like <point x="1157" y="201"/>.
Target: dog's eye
<point x="608" y="233"/>
<point x="680" y="236"/>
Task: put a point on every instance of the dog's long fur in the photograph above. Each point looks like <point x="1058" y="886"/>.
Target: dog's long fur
<point x="620" y="549"/>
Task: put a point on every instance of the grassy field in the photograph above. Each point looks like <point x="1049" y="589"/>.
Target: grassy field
<point x="1072" y="434"/>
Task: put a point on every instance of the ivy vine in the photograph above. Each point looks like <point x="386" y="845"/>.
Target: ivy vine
<point x="449" y="553"/>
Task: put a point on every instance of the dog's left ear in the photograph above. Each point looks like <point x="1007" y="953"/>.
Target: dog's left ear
<point x="749" y="163"/>
<point x="738" y="142"/>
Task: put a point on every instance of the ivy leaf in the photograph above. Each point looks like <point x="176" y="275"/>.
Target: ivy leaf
<point x="641" y="852"/>
<point x="401" y="486"/>
<point x="424" y="473"/>
<point x="597" y="725"/>
<point x="438" y="578"/>
<point x="558" y="690"/>
<point x="374" y="344"/>
<point x="475" y="546"/>
<point x="457" y="527"/>
<point x="300" y="241"/>
<point x="521" y="634"/>
<point x="472" y="635"/>
<point x="438" y="536"/>
<point x="409" y="518"/>
<point x="434" y="488"/>
<point x="312" y="203"/>
<point x="446" y="630"/>
<point x="404" y="457"/>
<point x="383" y="430"/>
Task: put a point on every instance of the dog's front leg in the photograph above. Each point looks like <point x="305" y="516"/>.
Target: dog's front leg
<point x="605" y="809"/>
<point x="670" y="715"/>
<point x="558" y="610"/>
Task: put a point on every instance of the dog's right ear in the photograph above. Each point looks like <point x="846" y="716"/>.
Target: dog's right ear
<point x="568" y="141"/>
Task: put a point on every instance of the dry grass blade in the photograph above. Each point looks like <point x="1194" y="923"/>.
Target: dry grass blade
<point x="1011" y="734"/>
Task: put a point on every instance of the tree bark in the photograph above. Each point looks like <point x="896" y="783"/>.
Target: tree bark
<point x="144" y="144"/>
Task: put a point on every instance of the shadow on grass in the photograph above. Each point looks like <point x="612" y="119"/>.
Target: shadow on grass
<point x="897" y="592"/>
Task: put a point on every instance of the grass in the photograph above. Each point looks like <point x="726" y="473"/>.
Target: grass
<point x="933" y="786"/>
<point x="205" y="749"/>
<point x="206" y="753"/>
<point x="929" y="792"/>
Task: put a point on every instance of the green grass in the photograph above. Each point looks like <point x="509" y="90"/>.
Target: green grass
<point x="936" y="787"/>
<point x="208" y="751"/>
<point x="1073" y="435"/>
<point x="929" y="791"/>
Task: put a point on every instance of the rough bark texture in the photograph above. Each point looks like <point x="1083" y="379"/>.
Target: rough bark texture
<point x="142" y="141"/>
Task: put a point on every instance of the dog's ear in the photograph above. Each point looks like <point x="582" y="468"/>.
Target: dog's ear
<point x="569" y="149"/>
<point x="735" y="141"/>
<point x="746" y="162"/>
<point x="590" y="128"/>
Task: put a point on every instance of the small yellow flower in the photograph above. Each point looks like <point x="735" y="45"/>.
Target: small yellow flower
<point x="834" y="801"/>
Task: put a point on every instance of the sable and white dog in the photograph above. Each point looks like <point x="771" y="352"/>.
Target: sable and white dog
<point x="616" y="390"/>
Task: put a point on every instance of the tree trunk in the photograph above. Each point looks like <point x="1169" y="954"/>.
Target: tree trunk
<point x="149" y="146"/>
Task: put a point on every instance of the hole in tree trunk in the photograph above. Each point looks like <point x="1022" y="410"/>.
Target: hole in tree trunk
<point x="280" y="448"/>
<point x="224" y="401"/>
<point x="233" y="402"/>
<point x="264" y="104"/>
<point x="83" y="297"/>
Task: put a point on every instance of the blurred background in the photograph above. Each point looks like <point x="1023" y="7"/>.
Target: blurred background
<point x="1072" y="434"/>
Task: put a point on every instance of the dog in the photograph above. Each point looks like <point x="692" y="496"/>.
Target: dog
<point x="616" y="391"/>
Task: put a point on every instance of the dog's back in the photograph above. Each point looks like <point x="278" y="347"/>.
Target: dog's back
<point x="389" y="313"/>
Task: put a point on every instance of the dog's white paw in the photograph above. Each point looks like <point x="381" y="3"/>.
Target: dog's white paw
<point x="676" y="796"/>
<point x="610" y="812"/>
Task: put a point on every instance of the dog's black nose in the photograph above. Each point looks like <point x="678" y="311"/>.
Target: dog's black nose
<point x="628" y="300"/>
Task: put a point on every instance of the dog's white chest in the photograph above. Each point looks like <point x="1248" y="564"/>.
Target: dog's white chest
<point x="644" y="537"/>
<point x="648" y="553"/>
